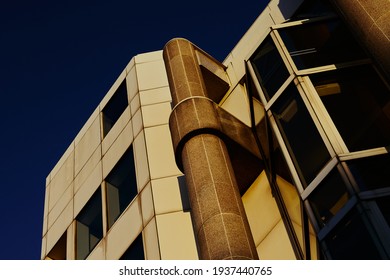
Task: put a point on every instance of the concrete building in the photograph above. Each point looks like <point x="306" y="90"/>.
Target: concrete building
<point x="281" y="151"/>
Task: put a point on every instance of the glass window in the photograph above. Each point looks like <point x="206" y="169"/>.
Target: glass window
<point x="351" y="240"/>
<point x="135" y="250"/>
<point x="359" y="104"/>
<point x="59" y="250"/>
<point x="114" y="108"/>
<point x="313" y="8"/>
<point x="121" y="186"/>
<point x="329" y="197"/>
<point x="320" y="43"/>
<point x="89" y="226"/>
<point x="269" y="67"/>
<point x="300" y="134"/>
<point x="371" y="172"/>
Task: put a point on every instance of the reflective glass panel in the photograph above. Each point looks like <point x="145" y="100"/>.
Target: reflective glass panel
<point x="89" y="226"/>
<point x="320" y="43"/>
<point x="269" y="67"/>
<point x="300" y="134"/>
<point x="351" y="240"/>
<point x="384" y="205"/>
<point x="371" y="172"/>
<point x="121" y="186"/>
<point x="328" y="197"/>
<point x="359" y="104"/>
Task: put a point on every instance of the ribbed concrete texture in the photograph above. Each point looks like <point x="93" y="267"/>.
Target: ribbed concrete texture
<point x="370" y="20"/>
<point x="220" y="224"/>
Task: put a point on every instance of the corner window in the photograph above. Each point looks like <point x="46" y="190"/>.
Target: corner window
<point x="114" y="108"/>
<point x="121" y="186"/>
<point x="59" y="250"/>
<point x="89" y="226"/>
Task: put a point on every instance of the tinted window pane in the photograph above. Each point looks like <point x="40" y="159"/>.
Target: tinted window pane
<point x="114" y="108"/>
<point x="371" y="172"/>
<point x="329" y="197"/>
<point x="359" y="104"/>
<point x="89" y="226"/>
<point x="321" y="43"/>
<point x="313" y="8"/>
<point x="302" y="138"/>
<point x="135" y="250"/>
<point x="350" y="240"/>
<point x="269" y="68"/>
<point x="121" y="186"/>
<point x="384" y="206"/>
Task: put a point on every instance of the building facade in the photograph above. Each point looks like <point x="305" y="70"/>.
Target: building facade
<point x="281" y="151"/>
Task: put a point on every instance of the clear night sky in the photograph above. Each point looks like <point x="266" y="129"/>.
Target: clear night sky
<point x="57" y="61"/>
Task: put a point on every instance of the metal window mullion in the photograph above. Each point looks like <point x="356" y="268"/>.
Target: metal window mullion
<point x="256" y="82"/>
<point x="283" y="51"/>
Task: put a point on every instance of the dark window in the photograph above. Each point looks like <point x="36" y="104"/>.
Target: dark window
<point x="59" y="250"/>
<point x="351" y="240"/>
<point x="312" y="9"/>
<point x="135" y="250"/>
<point x="302" y="138"/>
<point x="321" y="43"/>
<point x="359" y="104"/>
<point x="329" y="197"/>
<point x="371" y="172"/>
<point x="384" y="206"/>
<point x="114" y="108"/>
<point x="89" y="226"/>
<point x="121" y="186"/>
<point x="269" y="67"/>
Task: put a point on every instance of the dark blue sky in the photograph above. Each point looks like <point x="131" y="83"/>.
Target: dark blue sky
<point x="57" y="61"/>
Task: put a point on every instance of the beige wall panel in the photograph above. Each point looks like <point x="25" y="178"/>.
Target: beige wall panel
<point x="135" y="104"/>
<point x="137" y="123"/>
<point x="59" y="207"/>
<point x="151" y="75"/>
<point x="117" y="149"/>
<point x="59" y="226"/>
<point x="71" y="241"/>
<point x="147" y="206"/>
<point x="148" y="57"/>
<point x="260" y="208"/>
<point x="160" y="152"/>
<point x="43" y="248"/>
<point x="61" y="180"/>
<point x="237" y="104"/>
<point x="87" y="125"/>
<point x="132" y="83"/>
<point x="124" y="231"/>
<point x="117" y="129"/>
<point x="87" y="145"/>
<point x="141" y="161"/>
<point x="89" y="187"/>
<point x="276" y="246"/>
<point x="176" y="237"/>
<point x="151" y="246"/>
<point x="166" y="195"/>
<point x="69" y="151"/>
<point x="98" y="252"/>
<point x="88" y="169"/>
<point x="153" y="96"/>
<point x="45" y="211"/>
<point x="156" y="114"/>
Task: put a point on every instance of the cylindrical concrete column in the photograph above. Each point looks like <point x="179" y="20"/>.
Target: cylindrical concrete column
<point x="220" y="224"/>
<point x="369" y="19"/>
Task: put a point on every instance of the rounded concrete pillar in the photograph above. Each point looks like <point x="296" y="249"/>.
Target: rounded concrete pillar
<point x="220" y="224"/>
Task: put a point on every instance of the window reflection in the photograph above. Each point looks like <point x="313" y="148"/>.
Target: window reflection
<point x="89" y="226"/>
<point x="269" y="67"/>
<point x="302" y="138"/>
<point x="359" y="104"/>
<point x="329" y="197"/>
<point x="320" y="43"/>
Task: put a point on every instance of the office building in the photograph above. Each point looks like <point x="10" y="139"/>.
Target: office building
<point x="281" y="151"/>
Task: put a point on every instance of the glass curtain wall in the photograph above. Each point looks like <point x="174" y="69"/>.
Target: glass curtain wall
<point x="327" y="111"/>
